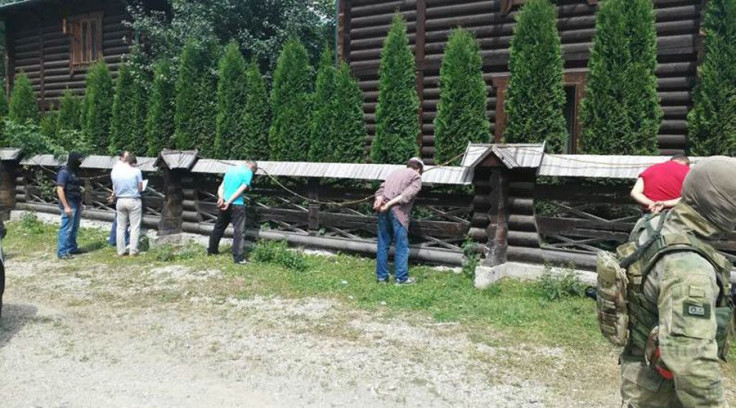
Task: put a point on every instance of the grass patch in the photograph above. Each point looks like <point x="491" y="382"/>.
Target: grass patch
<point x="510" y="310"/>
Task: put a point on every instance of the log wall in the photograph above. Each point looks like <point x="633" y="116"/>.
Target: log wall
<point x="37" y="46"/>
<point x="364" y="24"/>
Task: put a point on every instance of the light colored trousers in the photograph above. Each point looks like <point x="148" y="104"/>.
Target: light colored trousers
<point x="130" y="210"/>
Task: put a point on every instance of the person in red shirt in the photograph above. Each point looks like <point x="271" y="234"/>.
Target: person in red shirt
<point x="659" y="187"/>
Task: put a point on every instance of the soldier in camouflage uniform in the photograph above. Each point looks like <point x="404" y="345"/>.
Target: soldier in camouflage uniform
<point x="683" y="287"/>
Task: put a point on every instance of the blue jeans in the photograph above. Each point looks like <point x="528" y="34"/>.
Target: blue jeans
<point x="68" y="230"/>
<point x="113" y="238"/>
<point x="389" y="227"/>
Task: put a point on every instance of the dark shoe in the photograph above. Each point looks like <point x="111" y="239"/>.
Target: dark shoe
<point x="66" y="257"/>
<point x="241" y="262"/>
<point x="408" y="281"/>
<point x="213" y="253"/>
<point x="78" y="252"/>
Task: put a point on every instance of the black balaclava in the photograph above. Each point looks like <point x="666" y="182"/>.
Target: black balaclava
<point x="74" y="160"/>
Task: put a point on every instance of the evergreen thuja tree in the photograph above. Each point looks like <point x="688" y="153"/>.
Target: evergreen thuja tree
<point x="196" y="109"/>
<point x="160" y="115"/>
<point x="231" y="94"/>
<point x="289" y="134"/>
<point x="712" y="122"/>
<point x="123" y="126"/>
<point x="49" y="124"/>
<point x="3" y="104"/>
<point x="535" y="97"/>
<point x="324" y="106"/>
<point x="97" y="108"/>
<point x="23" y="106"/>
<point x="256" y="116"/>
<point x="620" y="113"/>
<point x="461" y="112"/>
<point x="397" y="122"/>
<point x="67" y="122"/>
<point x="69" y="112"/>
<point x="348" y="145"/>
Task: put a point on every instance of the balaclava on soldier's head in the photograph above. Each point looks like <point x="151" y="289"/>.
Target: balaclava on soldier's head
<point x="74" y="160"/>
<point x="710" y="189"/>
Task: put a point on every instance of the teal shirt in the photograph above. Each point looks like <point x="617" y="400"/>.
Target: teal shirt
<point x="235" y="177"/>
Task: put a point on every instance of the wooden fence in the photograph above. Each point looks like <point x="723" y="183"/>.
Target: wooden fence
<point x="511" y="212"/>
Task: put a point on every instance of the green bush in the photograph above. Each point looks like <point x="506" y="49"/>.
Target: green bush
<point x="125" y="128"/>
<point x="196" y="108"/>
<point x="70" y="109"/>
<point x="3" y="104"/>
<point x="620" y="113"/>
<point x="289" y="134"/>
<point x="712" y="121"/>
<point x="461" y="112"/>
<point x="160" y="116"/>
<point x="256" y="116"/>
<point x="397" y="121"/>
<point x="277" y="252"/>
<point x="49" y="124"/>
<point x="324" y="103"/>
<point x="30" y="224"/>
<point x="535" y="97"/>
<point x="231" y="95"/>
<point x="560" y="286"/>
<point x="29" y="138"/>
<point x="23" y="105"/>
<point x="348" y="145"/>
<point x="97" y="108"/>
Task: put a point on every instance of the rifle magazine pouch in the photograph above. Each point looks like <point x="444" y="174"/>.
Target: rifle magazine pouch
<point x="724" y="319"/>
<point x="613" y="315"/>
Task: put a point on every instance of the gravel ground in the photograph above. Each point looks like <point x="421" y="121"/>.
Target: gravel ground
<point x="83" y="335"/>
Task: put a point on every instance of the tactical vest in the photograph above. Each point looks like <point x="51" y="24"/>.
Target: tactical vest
<point x="625" y="314"/>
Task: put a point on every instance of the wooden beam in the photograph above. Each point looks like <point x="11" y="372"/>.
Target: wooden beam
<point x="419" y="52"/>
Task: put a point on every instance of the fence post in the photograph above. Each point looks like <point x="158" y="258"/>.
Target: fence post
<point x="8" y="176"/>
<point x="172" y="209"/>
<point x="498" y="227"/>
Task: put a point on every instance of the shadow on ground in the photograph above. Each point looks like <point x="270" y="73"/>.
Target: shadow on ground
<point x="15" y="317"/>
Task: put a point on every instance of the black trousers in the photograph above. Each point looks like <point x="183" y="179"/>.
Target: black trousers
<point x="236" y="215"/>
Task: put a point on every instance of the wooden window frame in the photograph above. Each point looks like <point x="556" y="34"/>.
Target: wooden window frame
<point x="507" y="5"/>
<point x="85" y="38"/>
<point x="574" y="79"/>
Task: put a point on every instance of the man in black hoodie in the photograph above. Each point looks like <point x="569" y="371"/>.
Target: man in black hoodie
<point x="69" y="191"/>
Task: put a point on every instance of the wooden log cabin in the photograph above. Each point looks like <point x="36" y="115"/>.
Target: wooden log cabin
<point x="363" y="25"/>
<point x="55" y="41"/>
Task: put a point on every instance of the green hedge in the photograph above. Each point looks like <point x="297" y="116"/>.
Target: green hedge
<point x="461" y="112"/>
<point x="290" y="99"/>
<point x="348" y="145"/>
<point x="535" y="97"/>
<point x="712" y="122"/>
<point x="324" y="115"/>
<point x="256" y="116"/>
<point x="196" y="108"/>
<point x="23" y="105"/>
<point x="231" y="94"/>
<point x="620" y="113"/>
<point x="397" y="121"/>
<point x="97" y="108"/>
<point x="160" y="116"/>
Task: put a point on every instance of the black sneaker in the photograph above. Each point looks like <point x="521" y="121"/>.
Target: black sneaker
<point x="213" y="253"/>
<point x="408" y="281"/>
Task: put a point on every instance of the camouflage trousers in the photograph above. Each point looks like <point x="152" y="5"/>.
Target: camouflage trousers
<point x="685" y="292"/>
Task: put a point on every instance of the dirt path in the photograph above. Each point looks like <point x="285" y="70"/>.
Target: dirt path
<point x="76" y="336"/>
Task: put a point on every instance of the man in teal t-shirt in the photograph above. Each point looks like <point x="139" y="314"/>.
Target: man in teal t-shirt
<point x="231" y="208"/>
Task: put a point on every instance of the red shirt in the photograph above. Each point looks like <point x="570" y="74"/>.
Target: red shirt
<point x="663" y="181"/>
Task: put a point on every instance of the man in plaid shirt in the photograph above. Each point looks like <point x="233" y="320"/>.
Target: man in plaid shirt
<point x="393" y="203"/>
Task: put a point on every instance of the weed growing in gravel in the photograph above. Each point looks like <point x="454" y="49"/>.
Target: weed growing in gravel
<point x="560" y="286"/>
<point x="278" y="252"/>
<point x="170" y="253"/>
<point x="30" y="224"/>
